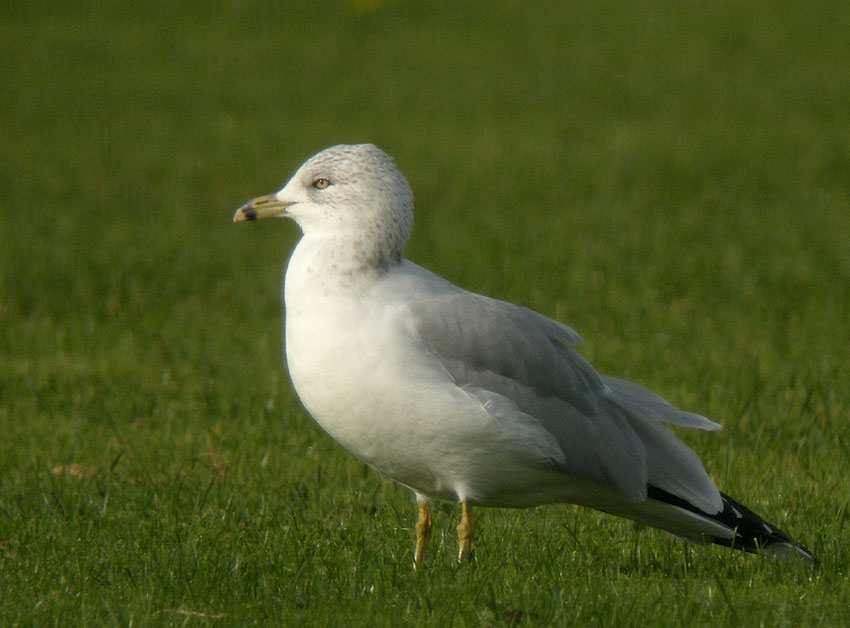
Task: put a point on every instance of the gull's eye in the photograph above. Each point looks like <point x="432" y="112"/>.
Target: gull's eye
<point x="321" y="183"/>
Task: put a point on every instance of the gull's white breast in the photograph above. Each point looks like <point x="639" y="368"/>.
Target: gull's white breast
<point x="366" y="378"/>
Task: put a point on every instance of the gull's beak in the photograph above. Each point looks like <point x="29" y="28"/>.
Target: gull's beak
<point x="261" y="207"/>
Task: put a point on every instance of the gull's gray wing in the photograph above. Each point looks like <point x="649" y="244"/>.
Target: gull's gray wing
<point x="608" y="429"/>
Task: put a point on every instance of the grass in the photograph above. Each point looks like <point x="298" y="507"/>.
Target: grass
<point x="670" y="179"/>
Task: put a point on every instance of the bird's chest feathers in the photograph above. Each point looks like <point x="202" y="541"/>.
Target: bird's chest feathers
<point x="328" y="354"/>
<point x="342" y="350"/>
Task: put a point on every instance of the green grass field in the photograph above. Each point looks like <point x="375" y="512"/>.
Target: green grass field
<point x="671" y="179"/>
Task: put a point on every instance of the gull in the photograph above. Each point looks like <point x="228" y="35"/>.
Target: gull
<point x="465" y="398"/>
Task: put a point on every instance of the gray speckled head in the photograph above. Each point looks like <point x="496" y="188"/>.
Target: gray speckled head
<point x="355" y="195"/>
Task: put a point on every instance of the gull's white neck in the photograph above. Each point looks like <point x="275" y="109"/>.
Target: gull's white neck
<point x="332" y="265"/>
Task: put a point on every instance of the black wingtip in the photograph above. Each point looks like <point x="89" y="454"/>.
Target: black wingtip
<point x="752" y="533"/>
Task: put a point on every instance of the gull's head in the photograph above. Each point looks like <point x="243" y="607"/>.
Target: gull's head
<point x="353" y="194"/>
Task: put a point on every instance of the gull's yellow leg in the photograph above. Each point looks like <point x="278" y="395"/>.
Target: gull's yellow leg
<point x="423" y="533"/>
<point x="464" y="532"/>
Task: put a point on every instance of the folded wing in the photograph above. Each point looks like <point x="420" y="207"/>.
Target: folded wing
<point x="608" y="429"/>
